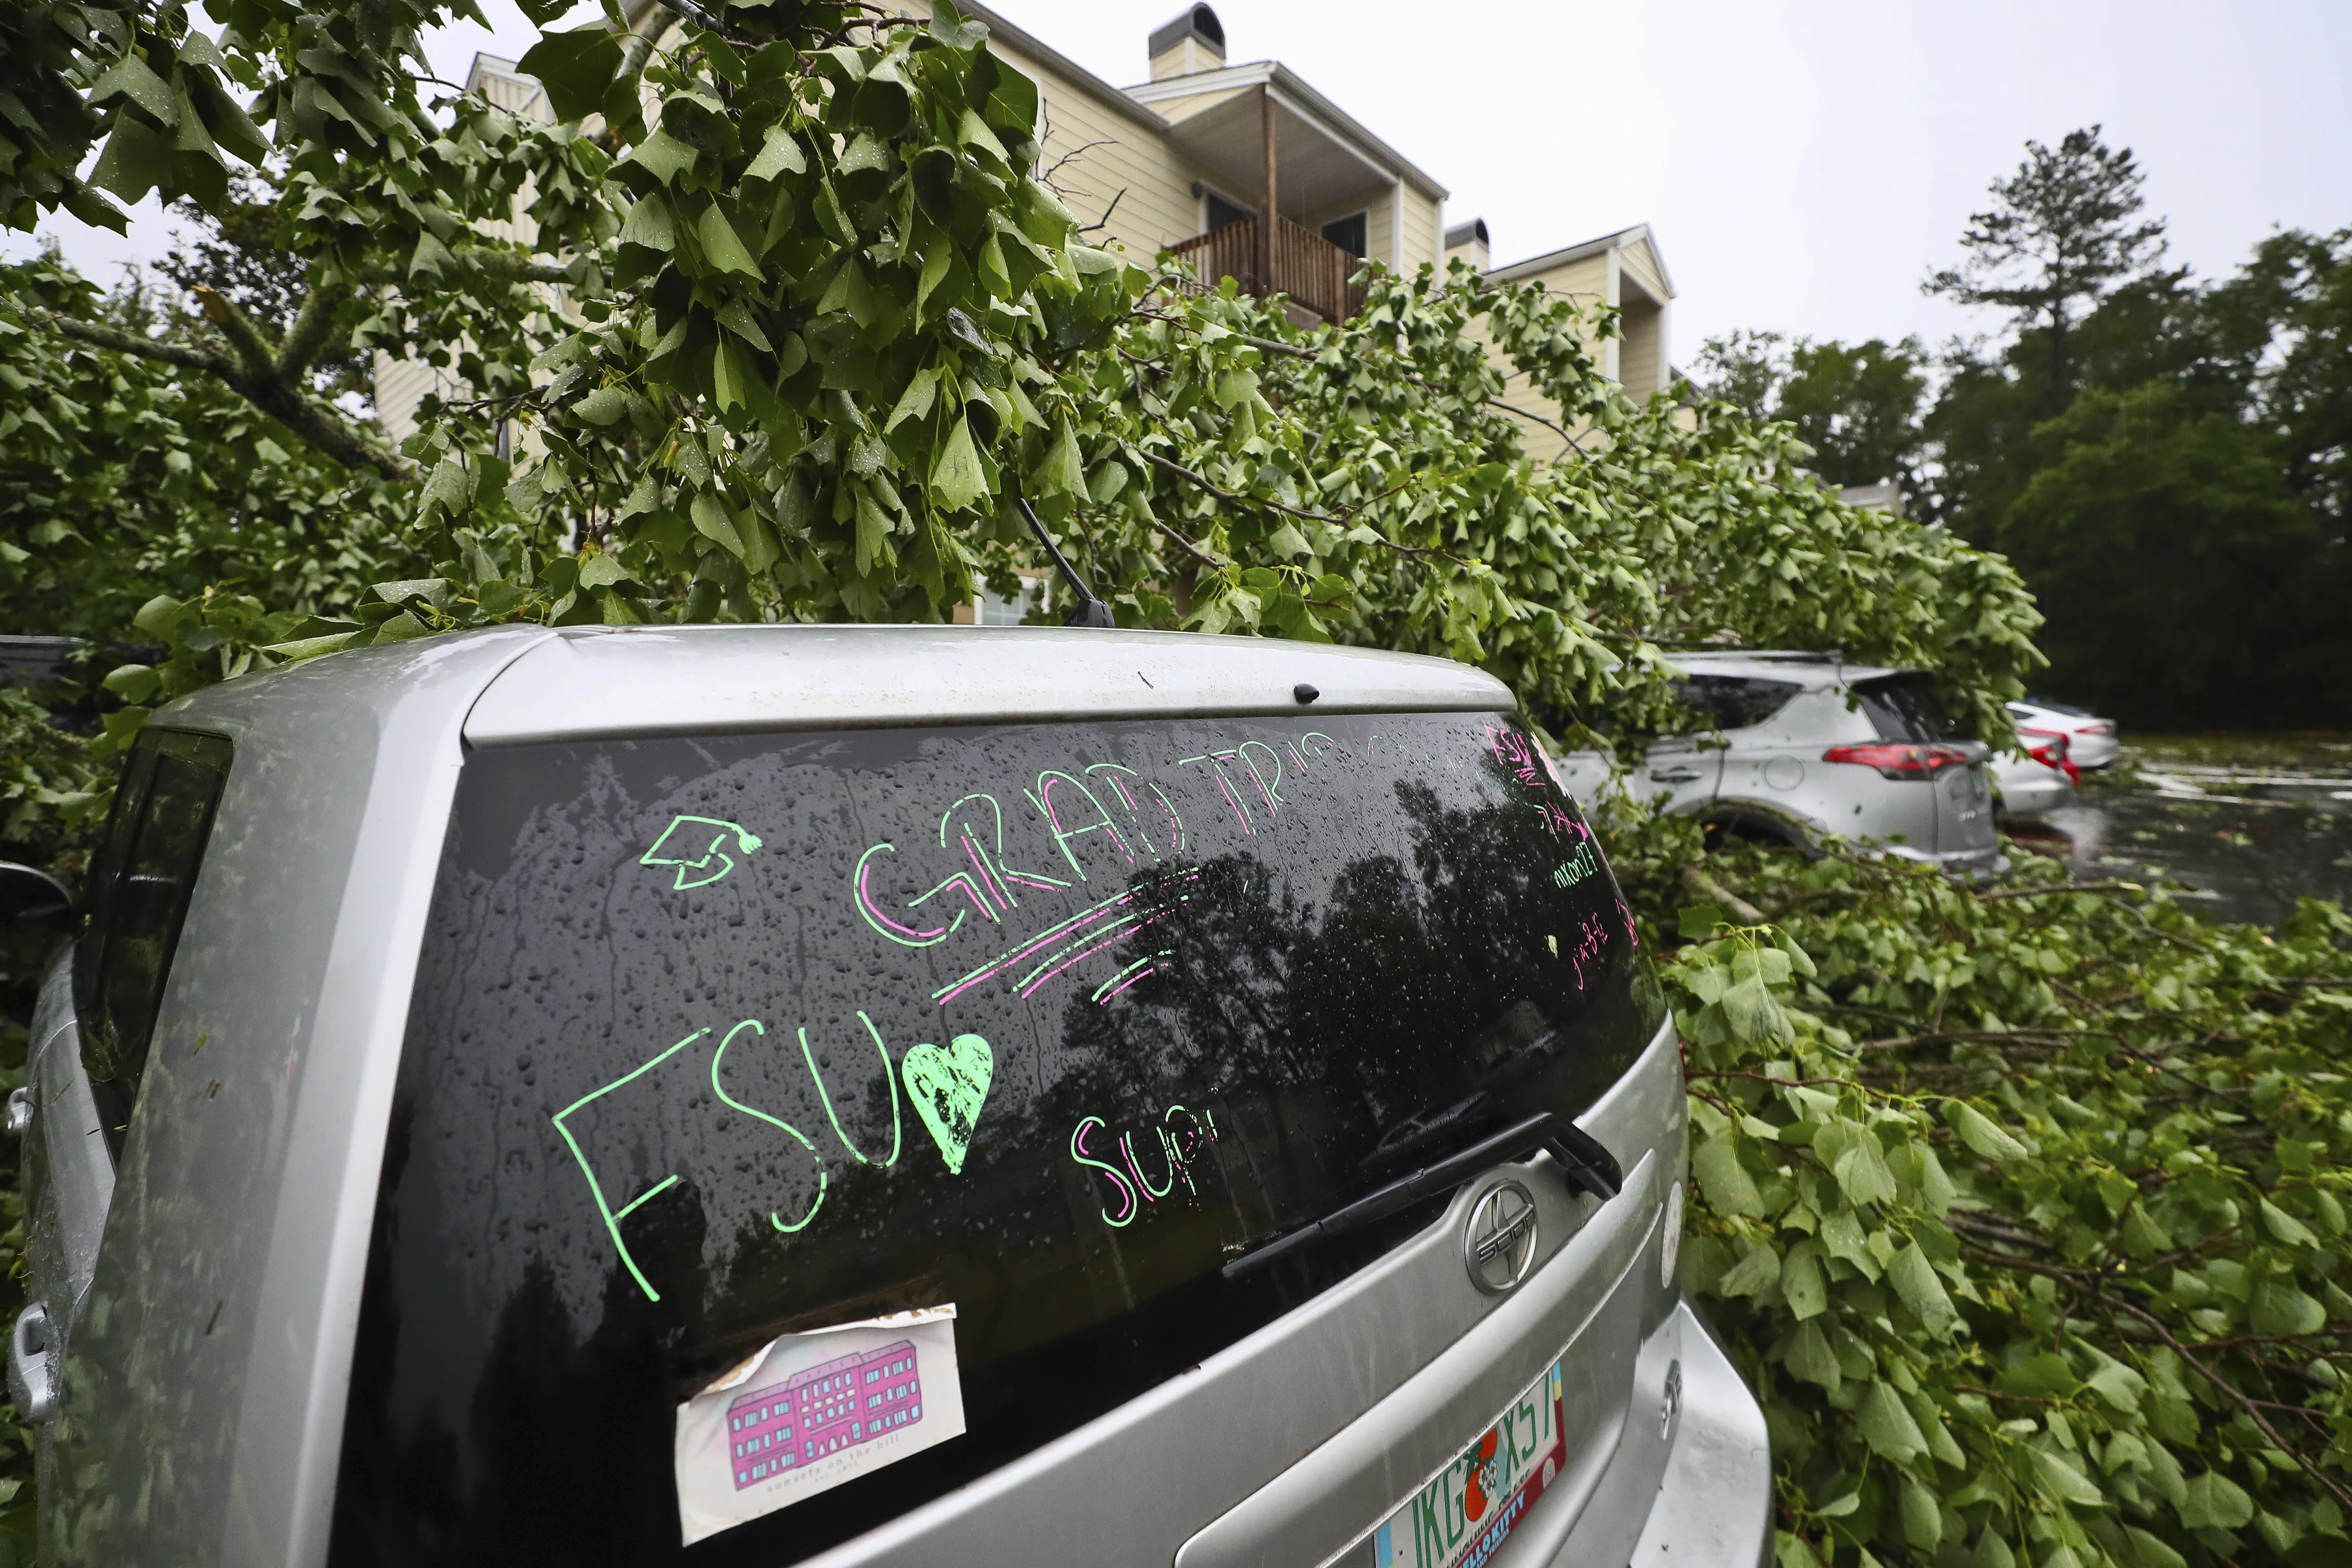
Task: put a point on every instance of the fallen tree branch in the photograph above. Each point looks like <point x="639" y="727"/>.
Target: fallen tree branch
<point x="2056" y="888"/>
<point x="1706" y="886"/>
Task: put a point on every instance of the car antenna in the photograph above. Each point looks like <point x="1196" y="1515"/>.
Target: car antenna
<point x="1091" y="611"/>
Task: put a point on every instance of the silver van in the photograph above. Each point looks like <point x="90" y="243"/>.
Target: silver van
<point x="862" y="1095"/>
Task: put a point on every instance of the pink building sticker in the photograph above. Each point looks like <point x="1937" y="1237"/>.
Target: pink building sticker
<point x="812" y="1410"/>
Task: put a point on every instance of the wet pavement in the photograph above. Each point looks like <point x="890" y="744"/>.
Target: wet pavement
<point x="2248" y="825"/>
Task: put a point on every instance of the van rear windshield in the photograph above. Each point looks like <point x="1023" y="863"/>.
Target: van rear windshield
<point x="718" y="1039"/>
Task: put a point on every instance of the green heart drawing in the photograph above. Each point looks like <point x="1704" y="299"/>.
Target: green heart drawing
<point x="948" y="1088"/>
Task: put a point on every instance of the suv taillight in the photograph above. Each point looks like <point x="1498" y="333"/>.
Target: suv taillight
<point x="1896" y="760"/>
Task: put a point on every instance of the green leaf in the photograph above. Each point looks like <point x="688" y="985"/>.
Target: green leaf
<point x="2061" y="1480"/>
<point x="130" y="76"/>
<point x="602" y="571"/>
<point x="132" y="682"/>
<point x="1758" y="1271"/>
<point x="712" y="522"/>
<point x="2290" y="1231"/>
<point x="1728" y="1186"/>
<point x="650" y="225"/>
<point x="1979" y="1133"/>
<point x="2214" y="1502"/>
<point x="2278" y="1308"/>
<point x="135" y="162"/>
<point x="1809" y="1357"/>
<point x="780" y="154"/>
<point x="663" y="156"/>
<point x="603" y="406"/>
<point x="1923" y="1521"/>
<point x="156" y="616"/>
<point x="575" y="68"/>
<point x="1063" y="473"/>
<point x="722" y="247"/>
<point x="914" y="403"/>
<point x="1800" y="1281"/>
<point x="1860" y="1170"/>
<point x="1886" y="1426"/>
<point x="873" y="529"/>
<point x="957" y="480"/>
<point x="1915" y="1279"/>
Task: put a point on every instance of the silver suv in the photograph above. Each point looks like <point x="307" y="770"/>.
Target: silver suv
<point x="1801" y="746"/>
<point x="862" y="1095"/>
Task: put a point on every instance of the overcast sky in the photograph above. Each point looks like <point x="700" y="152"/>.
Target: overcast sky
<point x="1802" y="163"/>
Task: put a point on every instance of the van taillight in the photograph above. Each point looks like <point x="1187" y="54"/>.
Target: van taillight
<point x="1896" y="761"/>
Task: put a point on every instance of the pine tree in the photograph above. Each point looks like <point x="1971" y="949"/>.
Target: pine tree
<point x="2063" y="231"/>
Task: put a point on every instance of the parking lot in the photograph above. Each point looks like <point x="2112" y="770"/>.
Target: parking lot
<point x="2250" y="824"/>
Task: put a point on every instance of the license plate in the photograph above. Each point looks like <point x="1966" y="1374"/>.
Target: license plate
<point x="1462" y="1515"/>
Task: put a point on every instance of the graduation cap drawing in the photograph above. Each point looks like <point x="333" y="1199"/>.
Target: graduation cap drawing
<point x="696" y="846"/>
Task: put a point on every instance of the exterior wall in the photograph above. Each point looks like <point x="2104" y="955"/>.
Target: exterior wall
<point x="1640" y="357"/>
<point x="1584" y="280"/>
<point x="1424" y="227"/>
<point x="1134" y="157"/>
<point x="1641" y="264"/>
<point x="401" y="384"/>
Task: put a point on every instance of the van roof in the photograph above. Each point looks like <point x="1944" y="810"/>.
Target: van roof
<point x="583" y="682"/>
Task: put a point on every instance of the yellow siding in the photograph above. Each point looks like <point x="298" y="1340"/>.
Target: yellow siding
<point x="1639" y="263"/>
<point x="1638" y="355"/>
<point x="1585" y="281"/>
<point x="1380" y="225"/>
<point x="1422" y="232"/>
<point x="1158" y="207"/>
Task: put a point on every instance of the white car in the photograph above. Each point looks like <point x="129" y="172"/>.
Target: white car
<point x="2091" y="743"/>
<point x="2036" y="779"/>
<point x="1806" y="747"/>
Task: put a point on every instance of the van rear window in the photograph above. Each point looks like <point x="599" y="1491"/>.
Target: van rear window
<point x="718" y="1039"/>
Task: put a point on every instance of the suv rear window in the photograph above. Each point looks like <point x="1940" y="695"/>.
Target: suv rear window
<point x="1736" y="701"/>
<point x="1906" y="708"/>
<point x="689" y="1064"/>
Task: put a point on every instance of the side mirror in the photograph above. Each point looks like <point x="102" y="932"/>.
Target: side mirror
<point x="36" y="899"/>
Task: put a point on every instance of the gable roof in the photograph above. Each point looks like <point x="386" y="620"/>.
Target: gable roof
<point x="1624" y="239"/>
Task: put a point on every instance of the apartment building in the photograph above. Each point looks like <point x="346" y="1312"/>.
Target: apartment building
<point x="1244" y="171"/>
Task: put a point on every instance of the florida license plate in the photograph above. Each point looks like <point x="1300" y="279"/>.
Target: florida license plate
<point x="1463" y="1514"/>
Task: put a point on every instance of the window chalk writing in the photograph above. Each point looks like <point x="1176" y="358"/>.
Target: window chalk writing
<point x="1181" y="1135"/>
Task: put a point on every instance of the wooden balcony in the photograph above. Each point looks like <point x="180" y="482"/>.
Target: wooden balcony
<point x="1309" y="267"/>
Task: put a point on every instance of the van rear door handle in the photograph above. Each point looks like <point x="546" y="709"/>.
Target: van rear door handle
<point x="1675" y="775"/>
<point x="32" y="1364"/>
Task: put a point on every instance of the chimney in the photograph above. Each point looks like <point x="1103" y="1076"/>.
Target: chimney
<point x="1192" y="40"/>
<point x="1468" y="241"/>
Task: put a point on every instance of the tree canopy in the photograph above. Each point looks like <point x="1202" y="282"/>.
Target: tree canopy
<point x="2162" y="458"/>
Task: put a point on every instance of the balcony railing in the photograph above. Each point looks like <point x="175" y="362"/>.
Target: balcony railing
<point x="1309" y="267"/>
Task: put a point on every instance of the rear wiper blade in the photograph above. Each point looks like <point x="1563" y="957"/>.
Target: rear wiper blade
<point x="1587" y="1164"/>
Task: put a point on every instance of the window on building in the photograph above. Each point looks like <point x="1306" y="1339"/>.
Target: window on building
<point x="1348" y="234"/>
<point x="1222" y="213"/>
